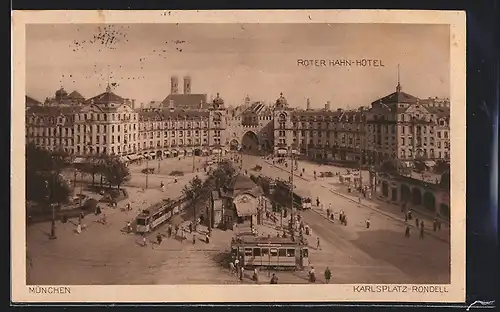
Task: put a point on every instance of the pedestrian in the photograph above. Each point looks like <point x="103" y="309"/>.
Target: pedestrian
<point x="303" y="170"/>
<point x="345" y="220"/>
<point x="207" y="239"/>
<point x="104" y="219"/>
<point x="359" y="200"/>
<point x="434" y="226"/>
<point x="317" y="201"/>
<point x="317" y="244"/>
<point x="439" y="225"/>
<point x="169" y="230"/>
<point x="368" y="223"/>
<point x="329" y="206"/>
<point x="410" y="215"/>
<point x="158" y="239"/>
<point x="406" y="217"/>
<point x="274" y="279"/>
<point x="190" y="227"/>
<point x="422" y="224"/>
<point x="407" y="231"/>
<point x="80" y="218"/>
<point x="312" y="275"/>
<point x="255" y="276"/>
<point x="232" y="268"/>
<point x="416" y="222"/>
<point x="328" y="275"/>
<point x="82" y="215"/>
<point x="79" y="228"/>
<point x="422" y="233"/>
<point x="242" y="273"/>
<point x="144" y="241"/>
<point x="129" y="227"/>
<point x="328" y="213"/>
<point x="194" y="239"/>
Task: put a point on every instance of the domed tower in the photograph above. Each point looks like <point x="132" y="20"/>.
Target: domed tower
<point x="187" y="85"/>
<point x="281" y="102"/>
<point x="218" y="102"/>
<point x="61" y="94"/>
<point x="174" y="85"/>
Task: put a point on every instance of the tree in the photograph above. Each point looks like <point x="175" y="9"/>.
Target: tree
<point x="193" y="192"/>
<point x="94" y="165"/>
<point x="115" y="171"/>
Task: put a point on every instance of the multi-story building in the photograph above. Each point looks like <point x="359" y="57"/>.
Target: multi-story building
<point x="401" y="126"/>
<point x="109" y="124"/>
<point x="398" y="126"/>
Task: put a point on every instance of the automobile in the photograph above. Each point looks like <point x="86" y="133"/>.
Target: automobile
<point x="257" y="168"/>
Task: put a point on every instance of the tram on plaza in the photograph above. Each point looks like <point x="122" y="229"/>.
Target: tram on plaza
<point x="159" y="213"/>
<point x="270" y="252"/>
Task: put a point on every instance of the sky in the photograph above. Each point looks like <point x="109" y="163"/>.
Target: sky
<point x="235" y="60"/>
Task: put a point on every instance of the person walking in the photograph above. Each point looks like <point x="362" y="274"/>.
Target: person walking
<point x="407" y="231"/>
<point x="328" y="275"/>
<point x="317" y="201"/>
<point x="255" y="276"/>
<point x="242" y="273"/>
<point x="434" y="225"/>
<point x="232" y="268"/>
<point x="162" y="186"/>
<point x="159" y="239"/>
<point x="274" y="279"/>
<point x="318" y="247"/>
<point x="368" y="223"/>
<point x="169" y="230"/>
<point x="422" y="233"/>
<point x="416" y="222"/>
<point x="312" y="275"/>
<point x="194" y="239"/>
<point x="422" y="224"/>
<point x="144" y="241"/>
<point x="129" y="227"/>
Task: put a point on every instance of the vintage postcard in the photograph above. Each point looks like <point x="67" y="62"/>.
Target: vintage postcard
<point x="238" y="156"/>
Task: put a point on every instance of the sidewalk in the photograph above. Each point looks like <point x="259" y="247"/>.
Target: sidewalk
<point x="443" y="235"/>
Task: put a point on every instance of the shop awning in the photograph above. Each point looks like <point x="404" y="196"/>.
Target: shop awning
<point x="430" y="163"/>
<point x="152" y="154"/>
<point x="166" y="152"/>
<point x="282" y="151"/>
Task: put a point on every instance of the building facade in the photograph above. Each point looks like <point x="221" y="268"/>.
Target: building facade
<point x="397" y="126"/>
<point x="108" y="124"/>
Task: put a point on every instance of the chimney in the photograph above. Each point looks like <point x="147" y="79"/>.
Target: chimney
<point x="327" y="106"/>
<point x="133" y="103"/>
<point x="308" y="105"/>
<point x="171" y="105"/>
<point x="187" y="85"/>
<point x="174" y="85"/>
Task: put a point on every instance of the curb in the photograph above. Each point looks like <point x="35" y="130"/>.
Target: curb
<point x="366" y="206"/>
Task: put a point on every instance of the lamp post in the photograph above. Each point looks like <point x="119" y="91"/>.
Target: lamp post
<point x="292" y="211"/>
<point x="49" y="196"/>
<point x="147" y="169"/>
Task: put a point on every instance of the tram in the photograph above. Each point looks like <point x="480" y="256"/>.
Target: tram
<point x="159" y="213"/>
<point x="272" y="252"/>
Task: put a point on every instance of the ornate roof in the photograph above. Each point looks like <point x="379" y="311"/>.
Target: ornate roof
<point x="218" y="101"/>
<point x="61" y="93"/>
<point x="281" y="101"/>
<point x="75" y="95"/>
<point x="106" y="97"/>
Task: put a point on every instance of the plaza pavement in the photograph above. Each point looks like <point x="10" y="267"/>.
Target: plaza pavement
<point x="382" y="245"/>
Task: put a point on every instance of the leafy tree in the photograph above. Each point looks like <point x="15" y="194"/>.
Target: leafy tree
<point x="94" y="165"/>
<point x="48" y="187"/>
<point x="115" y="171"/>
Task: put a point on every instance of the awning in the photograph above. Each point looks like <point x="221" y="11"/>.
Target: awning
<point x="134" y="157"/>
<point x="124" y="159"/>
<point x="430" y="163"/>
<point x="189" y="151"/>
<point x="166" y="152"/>
<point x="79" y="160"/>
<point x="282" y="151"/>
<point x="152" y="154"/>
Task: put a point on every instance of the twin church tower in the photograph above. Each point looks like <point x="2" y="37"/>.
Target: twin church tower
<point x="174" y="85"/>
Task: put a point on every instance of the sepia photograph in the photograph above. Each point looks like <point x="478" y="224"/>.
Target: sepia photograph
<point x="239" y="153"/>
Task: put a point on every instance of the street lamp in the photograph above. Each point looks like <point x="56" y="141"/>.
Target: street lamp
<point x="49" y="196"/>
